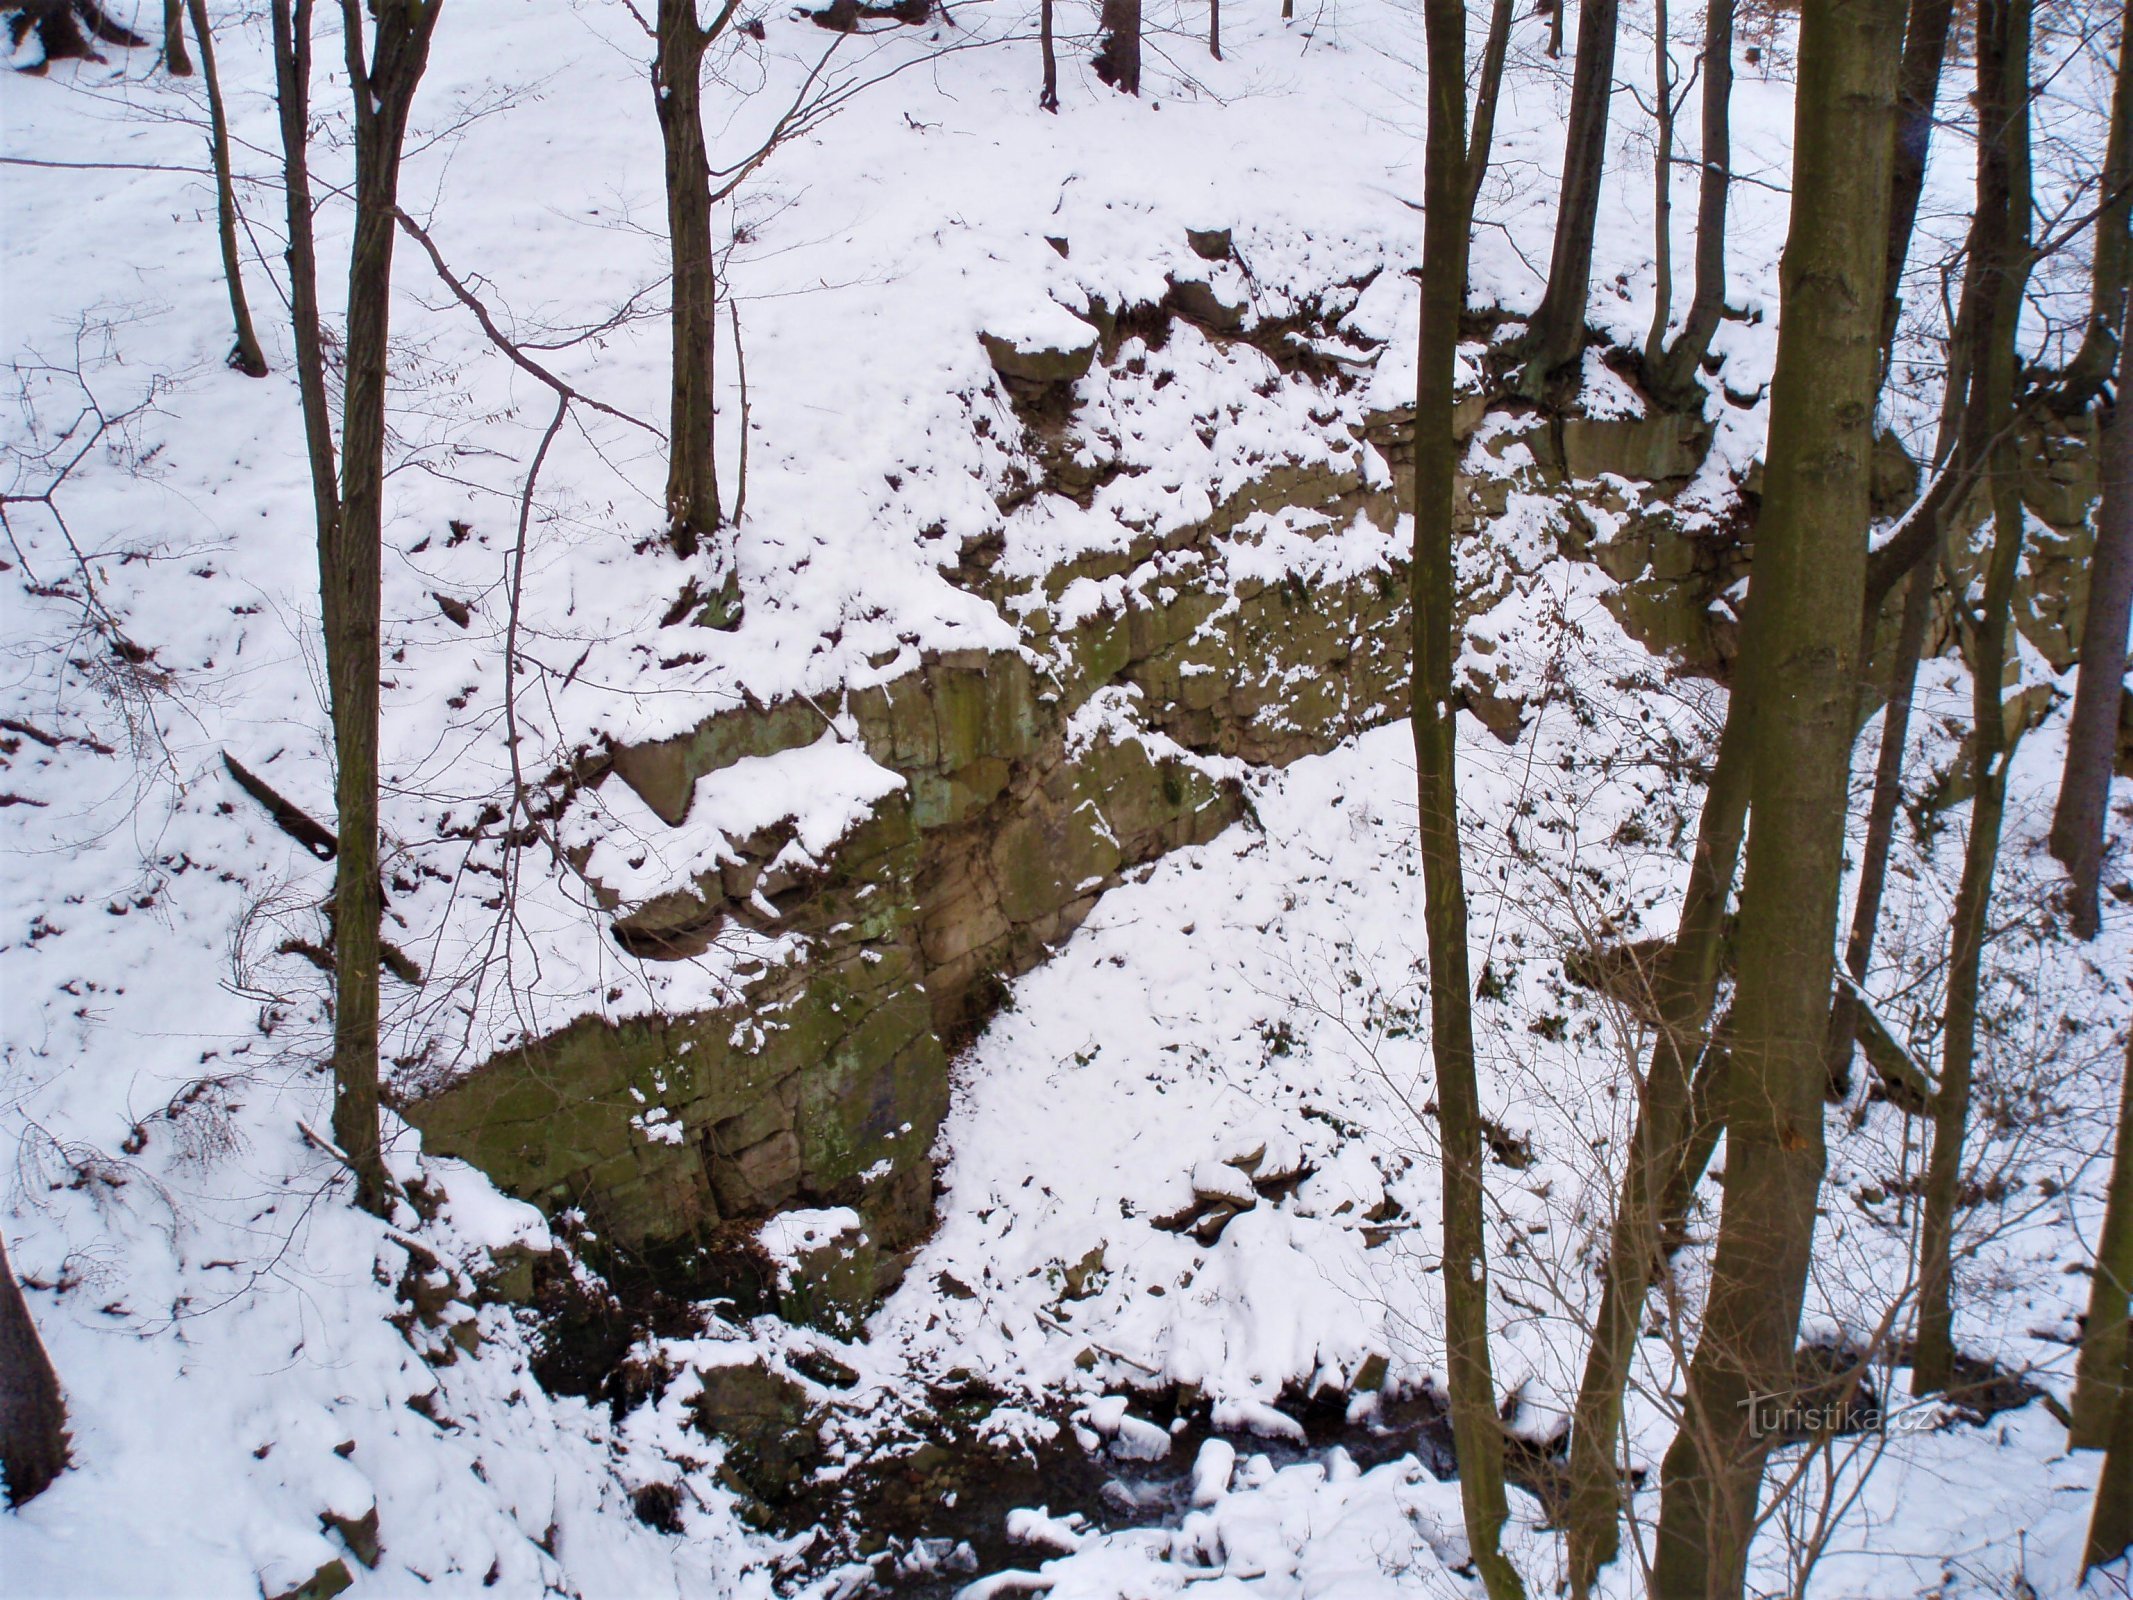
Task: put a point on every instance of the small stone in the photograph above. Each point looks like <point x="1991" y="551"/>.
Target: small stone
<point x="1209" y="244"/>
<point x="359" y="1533"/>
<point x="331" y="1579"/>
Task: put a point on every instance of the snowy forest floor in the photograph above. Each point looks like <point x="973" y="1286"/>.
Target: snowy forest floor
<point x="236" y="1340"/>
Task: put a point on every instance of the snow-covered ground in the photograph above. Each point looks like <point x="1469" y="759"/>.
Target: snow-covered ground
<point x="230" y="1332"/>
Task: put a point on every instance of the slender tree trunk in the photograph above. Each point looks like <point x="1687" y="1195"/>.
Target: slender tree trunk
<point x="2111" y="1524"/>
<point x="292" y="85"/>
<point x="1658" y="1152"/>
<point x="1048" y="97"/>
<point x="2094" y="362"/>
<point x="1933" y="1366"/>
<point x="245" y="354"/>
<point x="1925" y="47"/>
<point x="382" y="91"/>
<point x="2001" y="263"/>
<point x="1118" y="56"/>
<point x="1214" y="28"/>
<point x="1662" y="184"/>
<point x="2079" y="822"/>
<point x="2099" y="1370"/>
<point x="175" y="60"/>
<point x="1449" y="180"/>
<point x="1707" y="1120"/>
<point x="1556" y="336"/>
<point x="1802" y="633"/>
<point x="677" y="94"/>
<point x="1672" y="379"/>
<point x="1895" y="719"/>
<point x="1555" y="29"/>
<point x="33" y="1417"/>
<point x="1880" y="827"/>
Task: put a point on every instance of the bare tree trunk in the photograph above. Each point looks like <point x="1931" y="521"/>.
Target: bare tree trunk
<point x="1672" y="378"/>
<point x="2099" y="1370"/>
<point x="1450" y="178"/>
<point x="1118" y="56"/>
<point x="677" y="95"/>
<point x="1652" y="1190"/>
<point x="2111" y="1523"/>
<point x="2078" y="823"/>
<point x="2000" y="256"/>
<point x="2094" y="362"/>
<point x="1801" y="632"/>
<point x="1880" y="828"/>
<point x="292" y="94"/>
<point x="1555" y="29"/>
<point x="1662" y="183"/>
<point x="175" y="60"/>
<point x="245" y="354"/>
<point x="1555" y="338"/>
<point x="1214" y="28"/>
<point x="1925" y="47"/>
<point x="1896" y="717"/>
<point x="1048" y="97"/>
<point x="382" y="90"/>
<point x="33" y="1417"/>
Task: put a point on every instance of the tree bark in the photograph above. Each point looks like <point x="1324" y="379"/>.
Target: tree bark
<point x="1801" y="632"/>
<point x="292" y="95"/>
<point x="175" y="61"/>
<point x="245" y="354"/>
<point x="1214" y="28"/>
<point x="2111" y="1524"/>
<point x="1880" y="828"/>
<point x="1555" y="338"/>
<point x="1048" y="96"/>
<point x="1672" y="378"/>
<point x="382" y="91"/>
<point x="1652" y="1191"/>
<point x="677" y="95"/>
<point x="1844" y="1007"/>
<point x="1449" y="180"/>
<point x="33" y="1416"/>
<point x="2097" y="358"/>
<point x="2000" y="260"/>
<point x="2099" y="1369"/>
<point x="2083" y="812"/>
<point x="1118" y="56"/>
<point x="1662" y="183"/>
<point x="1925" y="47"/>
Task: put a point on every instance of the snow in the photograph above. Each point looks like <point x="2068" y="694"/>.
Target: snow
<point x="230" y="1330"/>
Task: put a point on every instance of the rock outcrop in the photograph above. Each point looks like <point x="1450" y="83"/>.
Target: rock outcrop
<point x="1021" y="784"/>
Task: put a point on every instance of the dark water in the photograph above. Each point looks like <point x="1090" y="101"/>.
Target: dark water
<point x="933" y="1515"/>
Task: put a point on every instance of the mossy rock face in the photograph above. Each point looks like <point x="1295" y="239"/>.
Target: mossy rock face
<point x="771" y="1430"/>
<point x="878" y="1093"/>
<point x="2061" y="464"/>
<point x="831" y="1287"/>
<point x="1208" y="304"/>
<point x="1662" y="448"/>
<point x="1043" y="364"/>
<point x="827" y="1082"/>
<point x="664" y="773"/>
